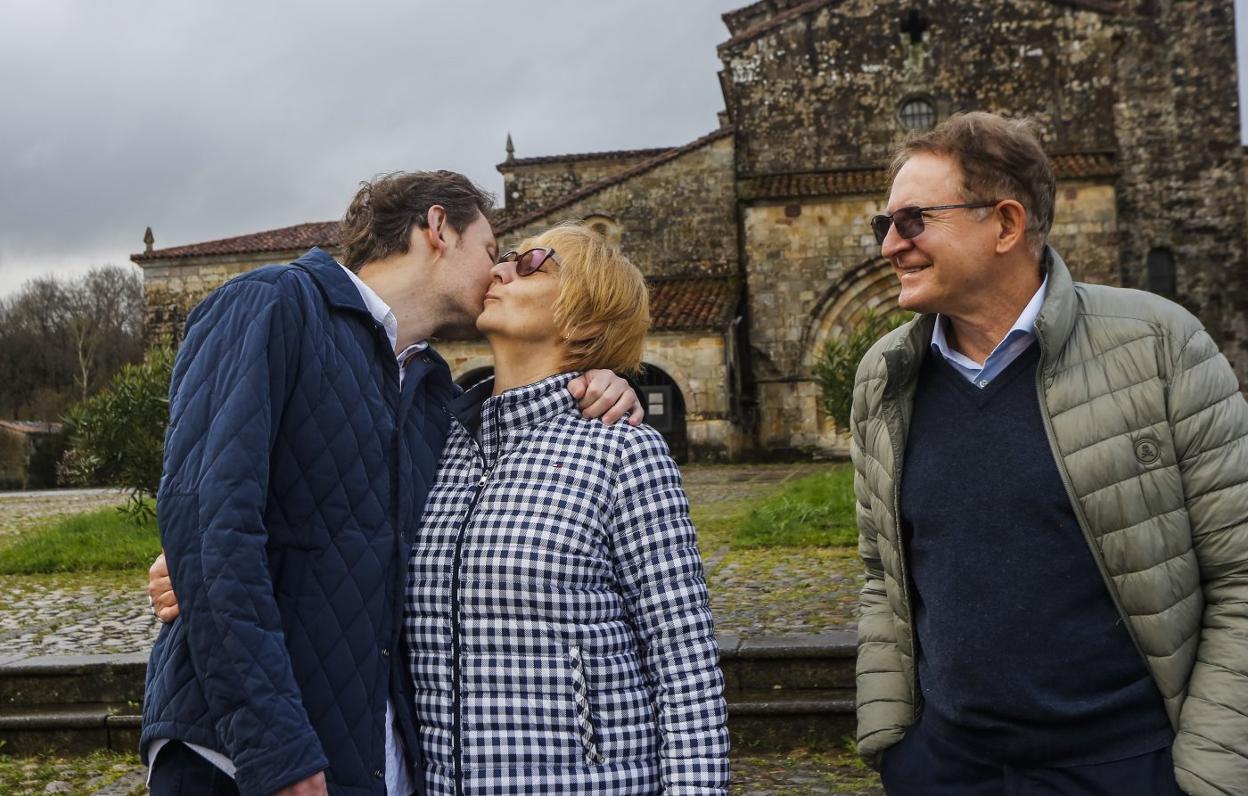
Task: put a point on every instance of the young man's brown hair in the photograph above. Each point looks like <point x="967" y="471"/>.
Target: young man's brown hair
<point x="379" y="221"/>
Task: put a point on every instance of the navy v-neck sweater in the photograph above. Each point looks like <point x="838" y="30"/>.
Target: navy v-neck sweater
<point x="1023" y="657"/>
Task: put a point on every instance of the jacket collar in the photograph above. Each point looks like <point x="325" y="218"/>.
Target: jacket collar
<point x="510" y="414"/>
<point x="1053" y="325"/>
<point x="339" y="290"/>
<point x="1057" y="315"/>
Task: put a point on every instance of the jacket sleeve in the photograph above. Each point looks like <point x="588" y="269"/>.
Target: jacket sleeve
<point x="1209" y="420"/>
<point x="883" y="693"/>
<point x="661" y="577"/>
<point x="226" y="399"/>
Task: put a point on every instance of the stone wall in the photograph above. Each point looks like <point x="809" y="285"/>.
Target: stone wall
<point x="1182" y="188"/>
<point x="172" y="288"/>
<point x="529" y="185"/>
<point x="695" y="361"/>
<point x="813" y="267"/>
<point x="822" y="90"/>
<point x="678" y="218"/>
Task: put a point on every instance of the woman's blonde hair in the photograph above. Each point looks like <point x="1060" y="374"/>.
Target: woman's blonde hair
<point x="603" y="307"/>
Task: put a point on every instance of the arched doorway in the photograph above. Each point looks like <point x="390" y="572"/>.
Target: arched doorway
<point x="869" y="286"/>
<point x="665" y="409"/>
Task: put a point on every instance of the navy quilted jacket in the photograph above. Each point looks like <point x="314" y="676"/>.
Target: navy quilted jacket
<point x="559" y="632"/>
<point x="295" y="473"/>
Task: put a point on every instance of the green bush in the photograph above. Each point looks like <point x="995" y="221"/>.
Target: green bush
<point x="837" y="362"/>
<point x="816" y="511"/>
<point x="99" y="540"/>
<point x="116" y="437"/>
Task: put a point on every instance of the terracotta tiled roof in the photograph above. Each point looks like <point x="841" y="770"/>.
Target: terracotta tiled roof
<point x="300" y="236"/>
<point x="1079" y="165"/>
<point x="1100" y="6"/>
<point x="593" y="188"/>
<point x="875" y="181"/>
<point x="824" y="183"/>
<point x="618" y="154"/>
<point x="692" y="303"/>
<point x="296" y="238"/>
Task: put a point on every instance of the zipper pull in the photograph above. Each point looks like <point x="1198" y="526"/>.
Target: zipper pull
<point x="485" y="476"/>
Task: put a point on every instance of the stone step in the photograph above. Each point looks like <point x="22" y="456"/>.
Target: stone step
<point x="781" y="721"/>
<point x="72" y="679"/>
<point x="783" y="693"/>
<point x="820" y="661"/>
<point x="69" y="730"/>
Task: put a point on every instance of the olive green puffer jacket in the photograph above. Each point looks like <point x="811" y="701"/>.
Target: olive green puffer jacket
<point x="1150" y="434"/>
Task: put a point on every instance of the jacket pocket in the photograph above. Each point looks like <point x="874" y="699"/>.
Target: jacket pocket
<point x="584" y="714"/>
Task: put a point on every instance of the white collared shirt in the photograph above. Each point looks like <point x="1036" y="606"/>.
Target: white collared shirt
<point x="382" y="313"/>
<point x="1015" y="342"/>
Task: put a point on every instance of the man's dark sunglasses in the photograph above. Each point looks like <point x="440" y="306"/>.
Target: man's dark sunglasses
<point x="909" y="220"/>
<point x="529" y="262"/>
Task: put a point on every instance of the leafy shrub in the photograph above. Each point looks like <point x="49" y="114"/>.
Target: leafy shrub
<point x="117" y="436"/>
<point x="837" y="362"/>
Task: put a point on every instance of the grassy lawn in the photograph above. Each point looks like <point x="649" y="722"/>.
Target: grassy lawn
<point x="100" y="540"/>
<point x="815" y="511"/>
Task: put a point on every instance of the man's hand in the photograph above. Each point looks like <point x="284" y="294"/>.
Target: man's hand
<point x="602" y="394"/>
<point x="160" y="591"/>
<point x="312" y="786"/>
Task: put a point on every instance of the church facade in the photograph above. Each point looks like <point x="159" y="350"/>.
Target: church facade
<point x="755" y="237"/>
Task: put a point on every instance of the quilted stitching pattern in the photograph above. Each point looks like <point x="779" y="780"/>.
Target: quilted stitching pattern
<point x="293" y="466"/>
<point x="1124" y="372"/>
<point x="587" y="654"/>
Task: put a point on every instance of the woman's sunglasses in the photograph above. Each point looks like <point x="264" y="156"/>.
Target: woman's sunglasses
<point x="529" y="262"/>
<point x="909" y="220"/>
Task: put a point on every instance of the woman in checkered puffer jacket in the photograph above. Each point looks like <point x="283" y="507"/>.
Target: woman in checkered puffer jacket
<point x="557" y="625"/>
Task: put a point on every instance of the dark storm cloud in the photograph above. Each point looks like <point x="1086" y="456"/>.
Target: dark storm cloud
<point x="212" y="119"/>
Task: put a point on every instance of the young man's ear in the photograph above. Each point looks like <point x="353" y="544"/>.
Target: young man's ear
<point x="435" y="229"/>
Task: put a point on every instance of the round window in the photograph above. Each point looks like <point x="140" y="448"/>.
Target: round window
<point x="917" y="114"/>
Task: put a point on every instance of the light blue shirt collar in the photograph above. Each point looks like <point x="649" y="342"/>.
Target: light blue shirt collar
<point x="1016" y="340"/>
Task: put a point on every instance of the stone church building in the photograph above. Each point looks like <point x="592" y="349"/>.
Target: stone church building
<point x="755" y="237"/>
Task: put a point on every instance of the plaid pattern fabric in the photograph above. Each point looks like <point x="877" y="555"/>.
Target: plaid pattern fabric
<point x="557" y="624"/>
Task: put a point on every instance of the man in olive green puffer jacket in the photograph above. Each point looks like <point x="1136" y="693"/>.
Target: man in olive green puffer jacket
<point x="1052" y="490"/>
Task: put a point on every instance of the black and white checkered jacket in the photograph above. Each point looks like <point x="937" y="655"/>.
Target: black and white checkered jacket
<point x="557" y="624"/>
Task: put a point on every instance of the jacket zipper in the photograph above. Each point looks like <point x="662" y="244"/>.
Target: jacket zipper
<point x="457" y="711"/>
<point x="1081" y="518"/>
<point x="899" y="459"/>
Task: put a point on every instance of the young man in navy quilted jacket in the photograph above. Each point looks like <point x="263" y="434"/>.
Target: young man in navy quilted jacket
<point x="306" y="421"/>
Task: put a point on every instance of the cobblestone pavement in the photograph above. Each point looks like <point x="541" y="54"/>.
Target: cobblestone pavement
<point x="74" y="614"/>
<point x="752" y="591"/>
<point x="19" y="510"/>
<point x="111" y="774"/>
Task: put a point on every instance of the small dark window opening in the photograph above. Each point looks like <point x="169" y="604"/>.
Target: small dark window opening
<point x="915" y="25"/>
<point x="917" y="114"/>
<point x="1161" y="276"/>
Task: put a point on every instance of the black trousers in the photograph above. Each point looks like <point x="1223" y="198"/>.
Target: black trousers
<point x="924" y="764"/>
<point x="179" y="771"/>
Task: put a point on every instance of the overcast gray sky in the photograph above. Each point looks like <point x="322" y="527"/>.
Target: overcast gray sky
<point x="211" y="119"/>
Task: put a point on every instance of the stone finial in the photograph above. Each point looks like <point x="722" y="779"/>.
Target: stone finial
<point x="511" y="149"/>
<point x="148" y="240"/>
